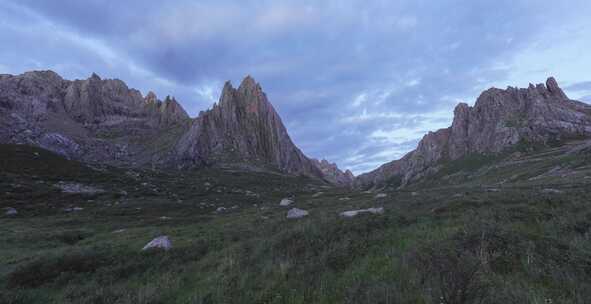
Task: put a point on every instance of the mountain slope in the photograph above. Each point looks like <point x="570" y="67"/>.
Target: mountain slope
<point x="498" y="120"/>
<point x="96" y="120"/>
<point x="92" y="120"/>
<point x="243" y="127"/>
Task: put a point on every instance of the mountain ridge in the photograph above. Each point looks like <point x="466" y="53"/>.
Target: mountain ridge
<point x="499" y="119"/>
<point x="104" y="121"/>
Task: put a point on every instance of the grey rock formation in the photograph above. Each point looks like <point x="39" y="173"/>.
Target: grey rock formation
<point x="498" y="120"/>
<point x="285" y="202"/>
<point x="295" y="213"/>
<point x="354" y="213"/>
<point x="333" y="174"/>
<point x="92" y="120"/>
<point x="243" y="128"/>
<point x="161" y="242"/>
<point x="104" y="121"/>
<point x="77" y="188"/>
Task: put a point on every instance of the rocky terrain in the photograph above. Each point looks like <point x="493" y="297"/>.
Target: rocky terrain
<point x="93" y="120"/>
<point x="505" y="228"/>
<point x="104" y="121"/>
<point x="101" y="203"/>
<point x="332" y="173"/>
<point x="243" y="128"/>
<point x="500" y="119"/>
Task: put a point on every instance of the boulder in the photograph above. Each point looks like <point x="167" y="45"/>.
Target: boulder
<point x="10" y="211"/>
<point x="354" y="213"/>
<point x="286" y="202"/>
<point x="78" y="188"/>
<point x="161" y="242"/>
<point x="295" y="213"/>
<point x="220" y="209"/>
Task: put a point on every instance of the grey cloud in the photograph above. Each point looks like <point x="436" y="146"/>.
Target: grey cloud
<point x="579" y="86"/>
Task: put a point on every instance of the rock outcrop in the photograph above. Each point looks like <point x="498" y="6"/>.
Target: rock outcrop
<point x="161" y="242"/>
<point x="498" y="120"/>
<point x="333" y="174"/>
<point x="243" y="128"/>
<point x="94" y="120"/>
<point x="295" y="213"/>
<point x="104" y="121"/>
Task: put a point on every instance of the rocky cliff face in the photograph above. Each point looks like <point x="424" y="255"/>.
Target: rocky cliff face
<point x="498" y="120"/>
<point x="333" y="174"/>
<point x="104" y="121"/>
<point x="243" y="128"/>
<point x="91" y="120"/>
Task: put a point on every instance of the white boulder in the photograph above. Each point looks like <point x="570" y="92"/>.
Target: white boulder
<point x="295" y="213"/>
<point x="286" y="202"/>
<point x="161" y="242"/>
<point x="354" y="213"/>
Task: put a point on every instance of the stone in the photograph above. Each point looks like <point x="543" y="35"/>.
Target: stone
<point x="161" y="242"/>
<point x="317" y="194"/>
<point x="353" y="213"/>
<point x="286" y="202"/>
<point x="10" y="211"/>
<point x="220" y="209"/>
<point x="381" y="195"/>
<point x="295" y="213"/>
<point x="78" y="188"/>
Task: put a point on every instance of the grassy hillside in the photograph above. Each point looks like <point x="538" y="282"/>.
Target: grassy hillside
<point x="515" y="229"/>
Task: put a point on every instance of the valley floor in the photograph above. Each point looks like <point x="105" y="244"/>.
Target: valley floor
<point x="514" y="228"/>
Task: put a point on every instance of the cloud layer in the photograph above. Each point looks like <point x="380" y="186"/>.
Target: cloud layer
<point x="356" y="82"/>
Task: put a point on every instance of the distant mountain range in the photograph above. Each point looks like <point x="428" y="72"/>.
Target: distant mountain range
<point x="103" y="121"/>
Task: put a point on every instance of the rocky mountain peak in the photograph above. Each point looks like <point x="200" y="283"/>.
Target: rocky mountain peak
<point x="243" y="127"/>
<point x="95" y="77"/>
<point x="249" y="86"/>
<point x="333" y="174"/>
<point x="554" y="89"/>
<point x="498" y="120"/>
<point x="151" y="98"/>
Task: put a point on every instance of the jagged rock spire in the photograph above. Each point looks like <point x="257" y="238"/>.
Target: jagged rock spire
<point x="243" y="127"/>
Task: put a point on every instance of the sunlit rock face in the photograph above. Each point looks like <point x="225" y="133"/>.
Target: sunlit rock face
<point x="498" y="120"/>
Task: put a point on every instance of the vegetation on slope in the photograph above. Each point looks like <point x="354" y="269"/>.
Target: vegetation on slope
<point x="514" y="230"/>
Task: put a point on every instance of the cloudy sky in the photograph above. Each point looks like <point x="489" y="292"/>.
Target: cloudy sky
<point x="356" y="82"/>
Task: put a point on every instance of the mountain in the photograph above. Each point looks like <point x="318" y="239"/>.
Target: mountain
<point x="92" y="120"/>
<point x="243" y="128"/>
<point x="500" y="119"/>
<point x="333" y="174"/>
<point x="104" y="121"/>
